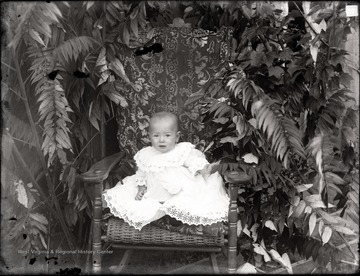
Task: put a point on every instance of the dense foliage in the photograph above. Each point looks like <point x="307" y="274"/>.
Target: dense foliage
<point x="284" y="103"/>
<point x="281" y="110"/>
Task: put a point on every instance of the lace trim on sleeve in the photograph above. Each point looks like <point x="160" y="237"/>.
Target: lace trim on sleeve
<point x="196" y="161"/>
<point x="197" y="164"/>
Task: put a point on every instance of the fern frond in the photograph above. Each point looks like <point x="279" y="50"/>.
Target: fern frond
<point x="352" y="211"/>
<point x="220" y="109"/>
<point x="295" y="99"/>
<point x="242" y="126"/>
<point x="250" y="92"/>
<point x="113" y="14"/>
<point x="330" y="168"/>
<point x="324" y="149"/>
<point x="235" y="79"/>
<point x="35" y="21"/>
<point x="241" y="87"/>
<point x="53" y="111"/>
<point x="333" y="110"/>
<point x="72" y="48"/>
<point x="321" y="147"/>
<point x="42" y="64"/>
<point x="280" y="130"/>
<point x="348" y="132"/>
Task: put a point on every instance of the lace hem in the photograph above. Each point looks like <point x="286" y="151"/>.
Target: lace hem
<point x="122" y="214"/>
<point x="149" y="159"/>
<point x="187" y="217"/>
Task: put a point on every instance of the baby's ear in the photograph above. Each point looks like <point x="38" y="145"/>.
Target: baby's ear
<point x="177" y="136"/>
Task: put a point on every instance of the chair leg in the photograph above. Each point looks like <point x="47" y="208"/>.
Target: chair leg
<point x="224" y="251"/>
<point x="214" y="263"/>
<point x="106" y="246"/>
<point x="124" y="261"/>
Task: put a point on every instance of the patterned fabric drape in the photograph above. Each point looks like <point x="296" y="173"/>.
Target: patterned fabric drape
<point x="163" y="81"/>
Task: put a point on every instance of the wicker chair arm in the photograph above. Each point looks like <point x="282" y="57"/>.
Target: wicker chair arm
<point x="99" y="171"/>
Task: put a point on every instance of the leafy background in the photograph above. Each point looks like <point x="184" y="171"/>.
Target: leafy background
<point x="281" y="110"/>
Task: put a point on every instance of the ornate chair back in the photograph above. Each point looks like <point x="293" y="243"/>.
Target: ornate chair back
<point x="180" y="62"/>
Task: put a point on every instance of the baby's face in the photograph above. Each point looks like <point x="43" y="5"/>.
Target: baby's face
<point x="163" y="134"/>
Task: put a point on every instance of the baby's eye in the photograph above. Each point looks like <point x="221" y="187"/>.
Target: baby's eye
<point x="155" y="135"/>
<point x="168" y="135"/>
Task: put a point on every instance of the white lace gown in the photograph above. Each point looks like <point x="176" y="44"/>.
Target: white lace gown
<point x="172" y="189"/>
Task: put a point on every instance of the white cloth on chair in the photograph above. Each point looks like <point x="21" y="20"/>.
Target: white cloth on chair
<point x="173" y="188"/>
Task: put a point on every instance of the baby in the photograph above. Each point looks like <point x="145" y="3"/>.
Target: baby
<point x="164" y="135"/>
<point x="172" y="179"/>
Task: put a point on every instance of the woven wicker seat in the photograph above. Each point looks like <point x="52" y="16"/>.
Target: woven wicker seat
<point x="121" y="235"/>
<point x="120" y="232"/>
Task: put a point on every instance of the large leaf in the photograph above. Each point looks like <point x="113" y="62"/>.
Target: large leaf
<point x="326" y="234"/>
<point x="284" y="262"/>
<point x="269" y="224"/>
<point x="39" y="217"/>
<point x="21" y="194"/>
<point x="300" y="208"/>
<point x="35" y="35"/>
<point x="195" y="97"/>
<point x="312" y="223"/>
<point x="94" y="114"/>
<point x="303" y="187"/>
<point x="19" y="130"/>
<point x="246" y="268"/>
<point x="118" y="68"/>
<point x="109" y="91"/>
<point x="259" y="249"/>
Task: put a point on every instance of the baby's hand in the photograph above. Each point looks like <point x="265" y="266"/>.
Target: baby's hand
<point x="208" y="169"/>
<point x="142" y="190"/>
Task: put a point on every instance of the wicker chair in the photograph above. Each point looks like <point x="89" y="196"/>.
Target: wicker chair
<point x="189" y="58"/>
<point x="120" y="235"/>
